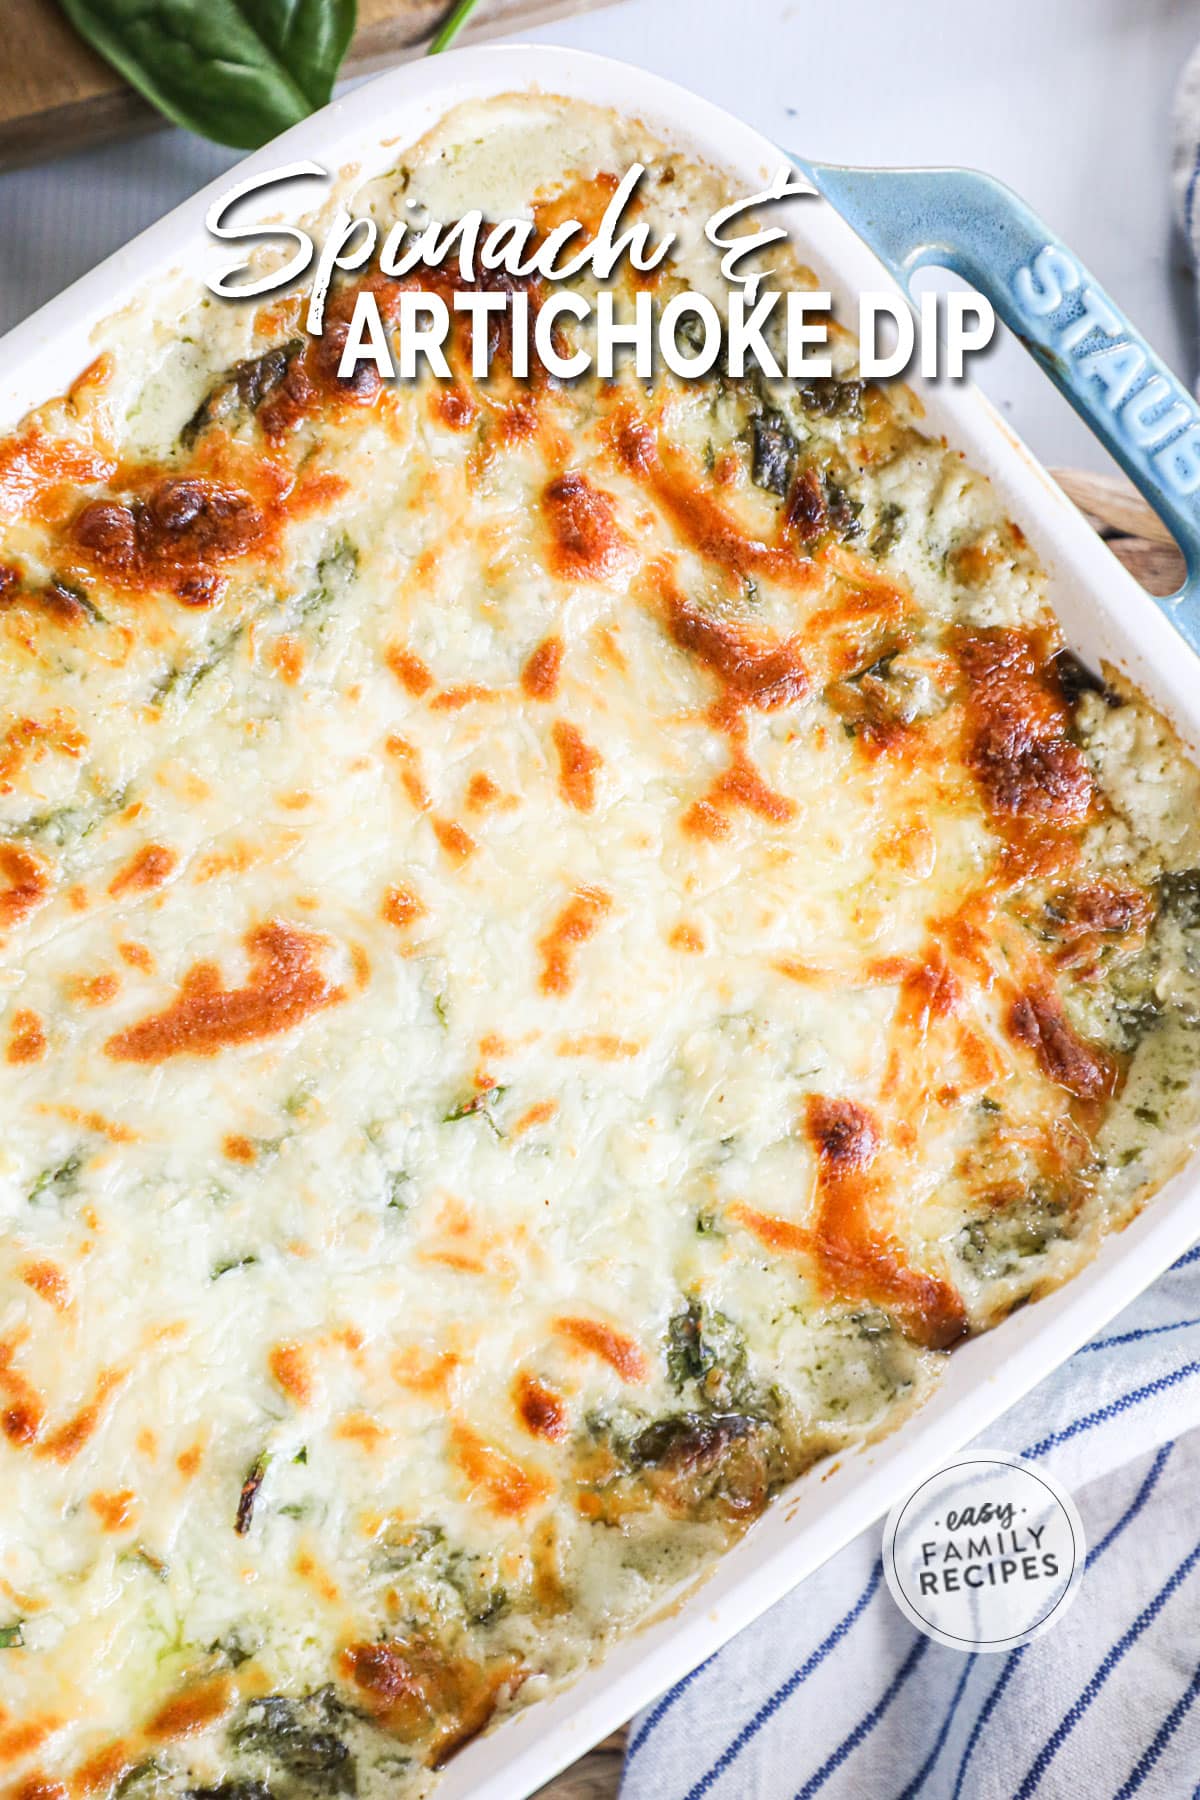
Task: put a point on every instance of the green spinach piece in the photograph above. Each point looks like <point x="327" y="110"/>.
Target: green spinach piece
<point x="335" y="570"/>
<point x="236" y="71"/>
<point x="689" y="1441"/>
<point x="888" y="525"/>
<point x="230" y="1264"/>
<point x="247" y="384"/>
<point x="249" y="1493"/>
<point x="146" y="1559"/>
<point x="63" y="825"/>
<point x="773" y="453"/>
<point x="1179" y="894"/>
<point x="830" y="398"/>
<point x="301" y="1738"/>
<point x="476" y="1106"/>
<point x="184" y="678"/>
<point x="231" y="1790"/>
<point x="996" y="1244"/>
<point x="843" y="512"/>
<point x="61" y="1180"/>
<point x="701" y="1341"/>
<point x="1076" y="679"/>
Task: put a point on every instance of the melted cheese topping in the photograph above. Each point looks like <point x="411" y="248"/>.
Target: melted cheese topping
<point x="561" y="945"/>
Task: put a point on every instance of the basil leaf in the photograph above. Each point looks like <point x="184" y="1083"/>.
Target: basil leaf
<point x="237" y="71"/>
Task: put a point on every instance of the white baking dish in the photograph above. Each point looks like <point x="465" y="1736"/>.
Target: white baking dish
<point x="1106" y="616"/>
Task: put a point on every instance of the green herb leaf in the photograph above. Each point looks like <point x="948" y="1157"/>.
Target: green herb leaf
<point x="11" y="1637"/>
<point x="336" y="569"/>
<point x="61" y="1179"/>
<point x="249" y="1493"/>
<point x="154" y="1565"/>
<point x="237" y="71"/>
<point x="185" y="678"/>
<point x="230" y="1264"/>
<point x="304" y="1739"/>
<point x="477" y="1105"/>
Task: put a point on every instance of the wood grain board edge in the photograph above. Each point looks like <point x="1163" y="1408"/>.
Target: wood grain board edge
<point x="596" y="1776"/>
<point x="1132" y="530"/>
<point x="1112" y="504"/>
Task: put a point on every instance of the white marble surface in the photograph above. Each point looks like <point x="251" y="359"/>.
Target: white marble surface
<point x="1067" y="100"/>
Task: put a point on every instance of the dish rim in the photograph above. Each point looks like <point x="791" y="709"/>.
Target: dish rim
<point x="1105" y="614"/>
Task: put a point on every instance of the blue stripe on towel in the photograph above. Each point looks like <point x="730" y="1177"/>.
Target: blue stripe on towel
<point x="1114" y="1408"/>
<point x="1011" y="1664"/>
<point x="660" y="1710"/>
<point x="1162" y="1737"/>
<point x="1136" y="1336"/>
<point x="1012" y="1660"/>
<point x="1120" y="1649"/>
<point x="869" y="1720"/>
<point x="917" y="1784"/>
<point x="785" y="1691"/>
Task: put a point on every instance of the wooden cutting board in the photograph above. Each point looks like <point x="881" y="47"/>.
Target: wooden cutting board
<point x="1142" y="542"/>
<point x="56" y="94"/>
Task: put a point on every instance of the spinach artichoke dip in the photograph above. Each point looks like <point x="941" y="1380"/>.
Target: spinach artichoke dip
<point x="563" y="943"/>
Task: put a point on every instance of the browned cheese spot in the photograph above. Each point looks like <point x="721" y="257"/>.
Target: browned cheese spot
<point x="740" y="787"/>
<point x="94" y="990"/>
<point x="458" y="844"/>
<point x="27" y="1037"/>
<point x="750" y="668"/>
<point x="47" y="1279"/>
<point x="147" y="869"/>
<point x="173" y="537"/>
<point x="543" y="667"/>
<point x="1033" y="776"/>
<point x="466" y="693"/>
<point x="1085" y="1070"/>
<point x="24" y="883"/>
<point x="541" y="1410"/>
<point x="577" y="766"/>
<point x="586" y="542"/>
<point x="610" y="1345"/>
<point x="401" y="906"/>
<point x="858" y="1259"/>
<point x="290" y="1366"/>
<point x="286" y="986"/>
<point x="848" y="1240"/>
<point x="423" y="1695"/>
<point x="506" y="1486"/>
<point x="578" y="921"/>
<point x="197" y="1706"/>
<point x="413" y="675"/>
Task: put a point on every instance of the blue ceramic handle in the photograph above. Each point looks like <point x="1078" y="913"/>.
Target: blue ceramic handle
<point x="967" y="222"/>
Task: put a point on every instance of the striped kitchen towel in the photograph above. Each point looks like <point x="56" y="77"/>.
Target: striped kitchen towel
<point x="1185" y="173"/>
<point x="834" y="1693"/>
